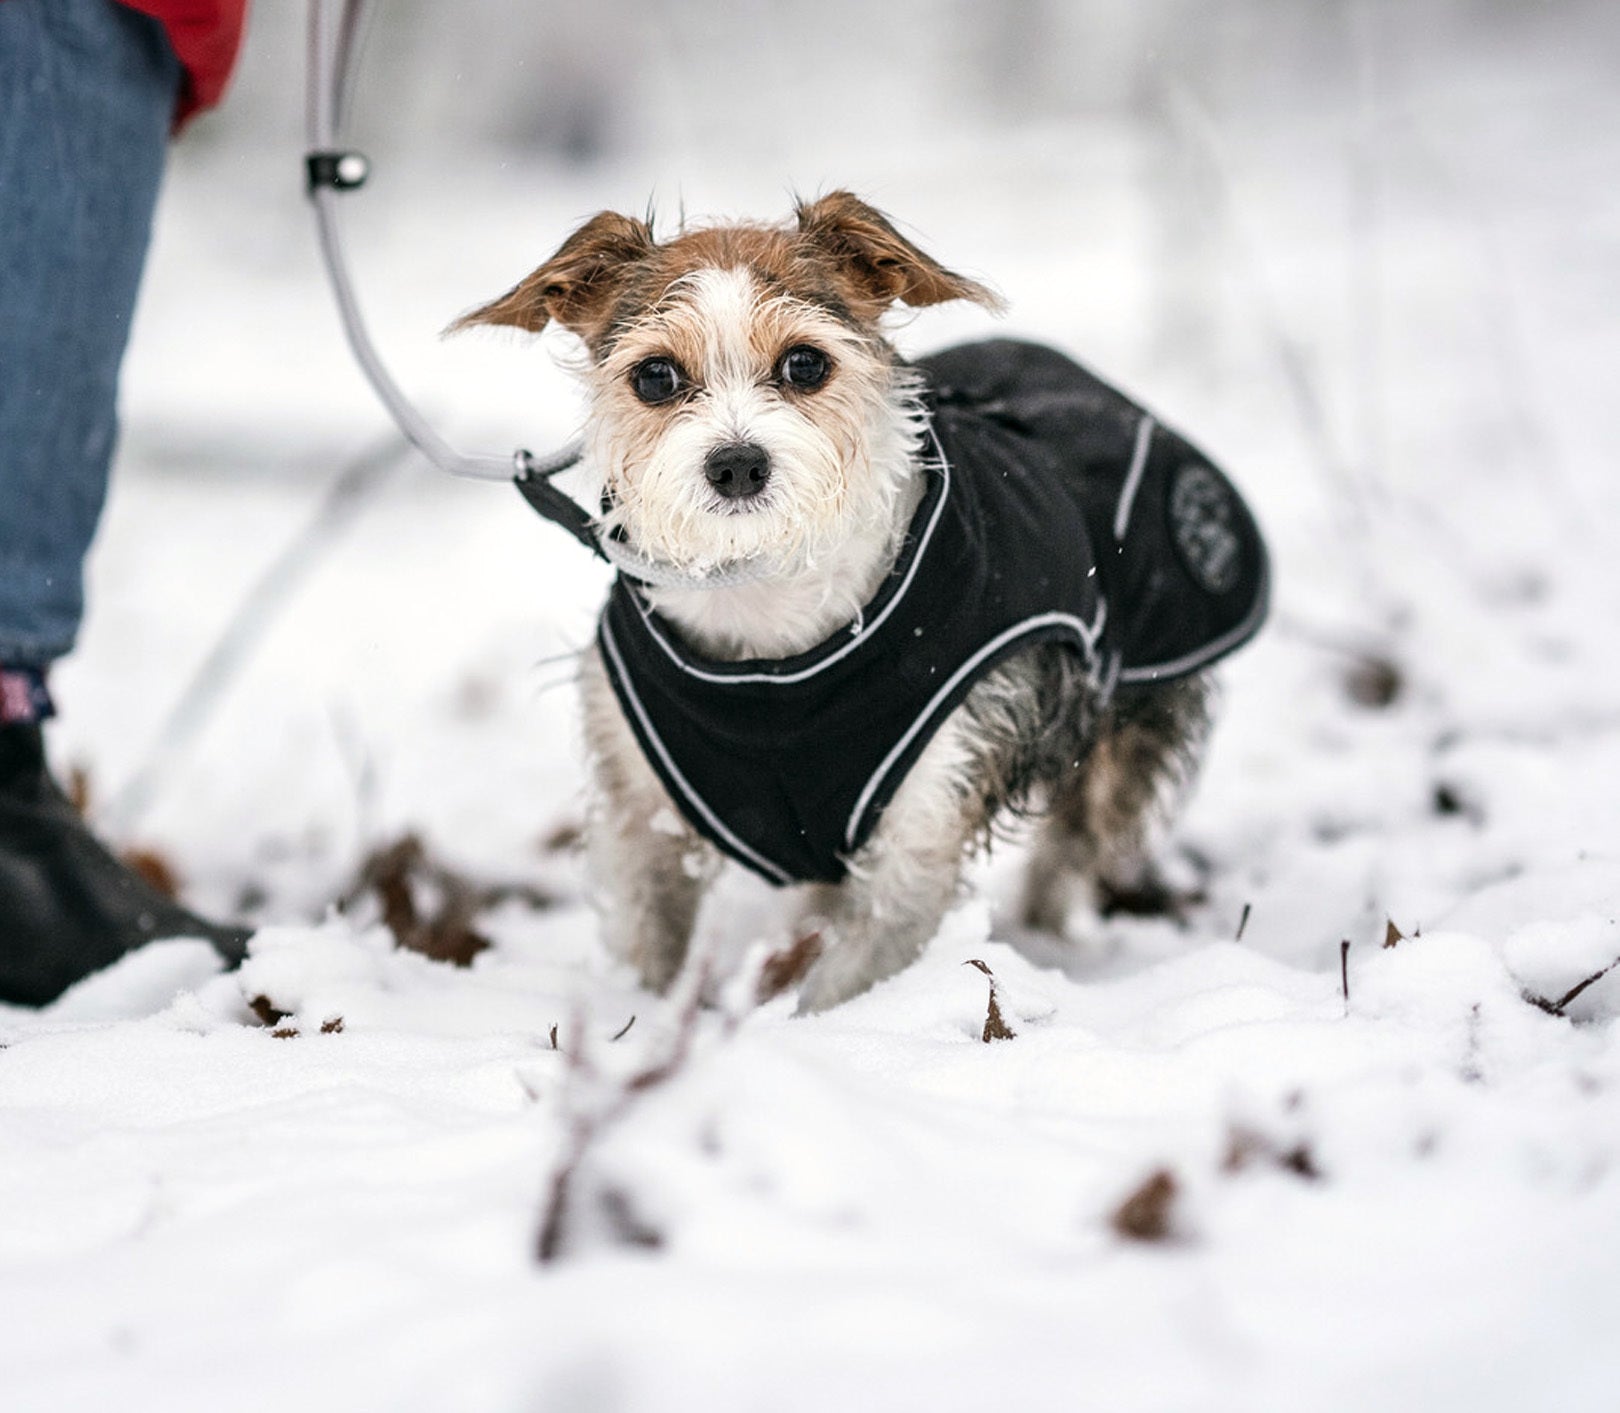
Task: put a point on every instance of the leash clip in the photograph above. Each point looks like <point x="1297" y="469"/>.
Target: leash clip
<point x="342" y="171"/>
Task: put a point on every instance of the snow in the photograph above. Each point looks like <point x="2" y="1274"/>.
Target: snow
<point x="1383" y="305"/>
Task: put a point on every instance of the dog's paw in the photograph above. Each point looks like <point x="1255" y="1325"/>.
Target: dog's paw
<point x="1148" y="896"/>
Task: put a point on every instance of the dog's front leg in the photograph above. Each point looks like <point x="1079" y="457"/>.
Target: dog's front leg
<point x="648" y="866"/>
<point x="900" y="884"/>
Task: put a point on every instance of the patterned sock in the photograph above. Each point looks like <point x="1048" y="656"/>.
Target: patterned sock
<point x="24" y="698"/>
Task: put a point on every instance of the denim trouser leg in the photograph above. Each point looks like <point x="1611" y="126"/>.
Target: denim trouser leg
<point x="87" y="91"/>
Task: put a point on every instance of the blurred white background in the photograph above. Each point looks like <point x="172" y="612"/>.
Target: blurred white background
<point x="1365" y="253"/>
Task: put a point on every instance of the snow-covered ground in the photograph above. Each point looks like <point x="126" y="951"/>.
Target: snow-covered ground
<point x="1377" y="280"/>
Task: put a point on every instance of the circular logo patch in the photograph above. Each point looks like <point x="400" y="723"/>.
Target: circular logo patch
<point x="1204" y="520"/>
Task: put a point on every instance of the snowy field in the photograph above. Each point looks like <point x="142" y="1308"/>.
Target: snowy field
<point x="1373" y="267"/>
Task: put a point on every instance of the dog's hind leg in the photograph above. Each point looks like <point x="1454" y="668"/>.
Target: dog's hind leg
<point x="649" y="867"/>
<point x="1100" y="817"/>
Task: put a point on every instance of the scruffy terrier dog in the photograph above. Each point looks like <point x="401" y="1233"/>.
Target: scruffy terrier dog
<point x="871" y="607"/>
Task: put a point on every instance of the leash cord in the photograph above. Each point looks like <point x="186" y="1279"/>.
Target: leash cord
<point x="330" y="170"/>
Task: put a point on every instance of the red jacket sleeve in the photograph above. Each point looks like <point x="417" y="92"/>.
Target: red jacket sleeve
<point x="206" y="35"/>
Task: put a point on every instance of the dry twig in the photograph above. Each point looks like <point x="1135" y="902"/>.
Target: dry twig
<point x="1560" y="1006"/>
<point x="589" y="1122"/>
<point x="587" y="1126"/>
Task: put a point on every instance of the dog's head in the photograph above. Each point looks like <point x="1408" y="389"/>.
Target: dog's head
<point x="743" y="399"/>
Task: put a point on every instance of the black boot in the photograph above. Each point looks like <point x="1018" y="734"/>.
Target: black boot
<point x="67" y="906"/>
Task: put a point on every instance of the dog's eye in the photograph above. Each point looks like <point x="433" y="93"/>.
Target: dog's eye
<point x="804" y="368"/>
<point x="656" y="379"/>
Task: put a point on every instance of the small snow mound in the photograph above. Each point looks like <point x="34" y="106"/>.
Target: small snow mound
<point x="1555" y="928"/>
<point x="140" y="983"/>
<point x="293" y="967"/>
<point x="1436" y="978"/>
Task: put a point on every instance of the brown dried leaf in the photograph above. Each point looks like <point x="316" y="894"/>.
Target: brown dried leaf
<point x="1392" y="934"/>
<point x="450" y="940"/>
<point x="1247" y="1147"/>
<point x="787" y="967"/>
<point x="333" y="1025"/>
<point x="1374" y="681"/>
<point x="1148" y="1214"/>
<point x="564" y="837"/>
<point x="995" y="1027"/>
<point x="387" y="872"/>
<point x="155" y="868"/>
<point x="995" y="1024"/>
<point x="447" y="935"/>
<point x="267" y="1012"/>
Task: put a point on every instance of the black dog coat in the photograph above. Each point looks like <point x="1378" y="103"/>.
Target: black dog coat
<point x="1056" y="510"/>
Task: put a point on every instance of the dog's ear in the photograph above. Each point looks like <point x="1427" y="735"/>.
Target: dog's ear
<point x="574" y="288"/>
<point x="877" y="264"/>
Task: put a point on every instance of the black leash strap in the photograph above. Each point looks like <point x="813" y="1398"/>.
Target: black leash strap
<point x="534" y="485"/>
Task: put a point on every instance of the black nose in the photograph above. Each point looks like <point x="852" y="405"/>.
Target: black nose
<point x="737" y="469"/>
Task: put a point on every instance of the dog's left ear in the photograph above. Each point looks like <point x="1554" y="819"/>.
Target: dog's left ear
<point x="878" y="265"/>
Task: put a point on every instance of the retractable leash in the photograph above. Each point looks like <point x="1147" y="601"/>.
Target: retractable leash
<point x="330" y="170"/>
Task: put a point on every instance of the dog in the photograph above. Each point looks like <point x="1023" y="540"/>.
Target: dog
<point x="898" y="605"/>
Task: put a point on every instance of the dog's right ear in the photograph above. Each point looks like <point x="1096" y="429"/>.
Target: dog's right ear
<point x="574" y="288"/>
<point x="878" y="266"/>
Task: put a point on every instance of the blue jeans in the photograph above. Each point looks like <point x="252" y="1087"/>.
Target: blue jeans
<point x="87" y="92"/>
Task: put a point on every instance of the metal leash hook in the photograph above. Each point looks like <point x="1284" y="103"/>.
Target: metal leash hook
<point x="343" y="171"/>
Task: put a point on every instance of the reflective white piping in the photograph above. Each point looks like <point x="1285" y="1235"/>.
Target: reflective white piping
<point x="1133" y="479"/>
<point x="763" y="864"/>
<point x="1110" y="678"/>
<point x="851" y="643"/>
<point x="1088" y="635"/>
<point x="1211" y="650"/>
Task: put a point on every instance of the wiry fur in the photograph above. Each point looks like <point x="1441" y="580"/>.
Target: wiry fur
<point x="724" y="304"/>
<point x="842" y="459"/>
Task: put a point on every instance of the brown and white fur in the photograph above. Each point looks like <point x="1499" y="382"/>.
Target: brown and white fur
<point x="723" y="306"/>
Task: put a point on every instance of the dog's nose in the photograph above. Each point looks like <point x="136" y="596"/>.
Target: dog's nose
<point x="738" y="469"/>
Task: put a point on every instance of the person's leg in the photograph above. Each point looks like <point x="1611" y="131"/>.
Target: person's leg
<point x="87" y="93"/>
